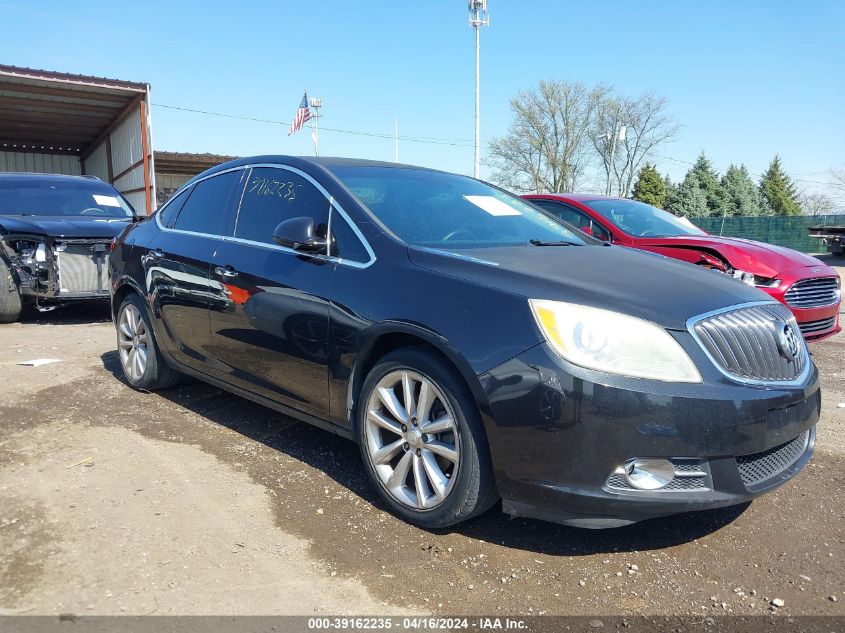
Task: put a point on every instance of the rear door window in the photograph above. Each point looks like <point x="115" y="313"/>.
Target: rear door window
<point x="578" y="219"/>
<point x="208" y="207"/>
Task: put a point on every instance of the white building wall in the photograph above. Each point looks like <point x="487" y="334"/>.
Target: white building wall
<point x="97" y="164"/>
<point x="40" y="163"/>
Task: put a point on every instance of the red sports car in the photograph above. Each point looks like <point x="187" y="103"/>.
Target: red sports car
<point x="809" y="287"/>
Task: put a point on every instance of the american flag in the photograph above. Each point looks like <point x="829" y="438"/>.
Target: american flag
<point x="303" y="114"/>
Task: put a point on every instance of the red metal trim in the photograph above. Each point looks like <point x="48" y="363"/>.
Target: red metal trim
<point x="146" y="150"/>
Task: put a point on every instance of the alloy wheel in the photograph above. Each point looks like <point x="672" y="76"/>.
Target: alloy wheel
<point x="132" y="342"/>
<point x="412" y="439"/>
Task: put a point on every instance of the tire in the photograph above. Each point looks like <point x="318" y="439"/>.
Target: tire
<point x="10" y="296"/>
<point x="453" y="490"/>
<point x="143" y="366"/>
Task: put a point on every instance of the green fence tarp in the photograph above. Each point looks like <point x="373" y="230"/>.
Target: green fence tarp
<point x="790" y="231"/>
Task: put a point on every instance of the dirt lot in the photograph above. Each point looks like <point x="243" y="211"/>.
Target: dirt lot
<point x="193" y="501"/>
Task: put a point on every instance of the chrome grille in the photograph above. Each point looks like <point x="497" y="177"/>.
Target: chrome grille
<point x="690" y="475"/>
<point x="760" y="467"/>
<point x="747" y="343"/>
<point x="808" y="328"/>
<point x="813" y="293"/>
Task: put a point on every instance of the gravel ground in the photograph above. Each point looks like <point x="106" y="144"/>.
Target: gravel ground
<point x="193" y="501"/>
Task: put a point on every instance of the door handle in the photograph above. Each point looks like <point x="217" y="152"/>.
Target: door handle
<point x="225" y="272"/>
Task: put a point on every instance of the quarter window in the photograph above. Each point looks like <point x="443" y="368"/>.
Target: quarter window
<point x="275" y="195"/>
<point x="345" y="244"/>
<point x="207" y="207"/>
<point x="170" y="210"/>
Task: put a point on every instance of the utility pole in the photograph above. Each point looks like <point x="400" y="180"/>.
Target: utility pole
<point x="478" y="18"/>
<point x="618" y="133"/>
<point x="316" y="104"/>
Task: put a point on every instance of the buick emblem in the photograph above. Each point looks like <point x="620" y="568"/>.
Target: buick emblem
<point x="788" y="342"/>
<point x="817" y="269"/>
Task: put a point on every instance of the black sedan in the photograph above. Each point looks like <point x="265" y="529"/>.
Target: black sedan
<point x="54" y="238"/>
<point x="472" y="345"/>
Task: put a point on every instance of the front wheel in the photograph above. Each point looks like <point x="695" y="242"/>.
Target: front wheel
<point x="422" y="440"/>
<point x="142" y="363"/>
<point x="10" y="297"/>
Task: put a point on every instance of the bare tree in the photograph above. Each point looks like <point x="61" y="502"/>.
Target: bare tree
<point x="816" y="204"/>
<point x="547" y="146"/>
<point x="838" y="176"/>
<point x="646" y="126"/>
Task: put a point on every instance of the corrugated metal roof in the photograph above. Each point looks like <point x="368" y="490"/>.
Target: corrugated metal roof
<point x="48" y="111"/>
<point x="71" y="78"/>
<point x="187" y="162"/>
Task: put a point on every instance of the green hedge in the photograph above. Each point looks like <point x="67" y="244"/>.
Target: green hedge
<point x="790" y="231"/>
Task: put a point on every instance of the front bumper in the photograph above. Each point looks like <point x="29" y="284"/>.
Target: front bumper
<point x="558" y="433"/>
<point x="818" y="322"/>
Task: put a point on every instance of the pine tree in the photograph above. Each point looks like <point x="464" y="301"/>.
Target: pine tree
<point x="671" y="187"/>
<point x="739" y="194"/>
<point x="688" y="198"/>
<point x="708" y="180"/>
<point x="650" y="187"/>
<point x="779" y="190"/>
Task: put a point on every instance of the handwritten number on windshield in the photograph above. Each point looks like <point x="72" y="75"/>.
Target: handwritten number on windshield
<point x="271" y="187"/>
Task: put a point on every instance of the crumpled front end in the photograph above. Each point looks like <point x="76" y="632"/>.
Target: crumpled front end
<point x="53" y="270"/>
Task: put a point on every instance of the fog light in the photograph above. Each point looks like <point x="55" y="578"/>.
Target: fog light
<point x="648" y="474"/>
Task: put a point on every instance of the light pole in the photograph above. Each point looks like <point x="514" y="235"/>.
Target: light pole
<point x="316" y="104"/>
<point x="477" y="19"/>
<point x="618" y="133"/>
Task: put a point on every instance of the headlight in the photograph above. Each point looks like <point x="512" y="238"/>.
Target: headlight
<point x="613" y="342"/>
<point x="755" y="280"/>
<point x="744" y="277"/>
<point x="764" y="282"/>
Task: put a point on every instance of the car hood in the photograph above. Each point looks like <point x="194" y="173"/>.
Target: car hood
<point x="62" y="226"/>
<point x="644" y="285"/>
<point x="765" y="260"/>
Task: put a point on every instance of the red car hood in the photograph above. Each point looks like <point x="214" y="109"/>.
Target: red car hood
<point x="765" y="260"/>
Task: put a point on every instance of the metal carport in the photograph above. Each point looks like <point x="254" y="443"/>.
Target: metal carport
<point x="53" y="122"/>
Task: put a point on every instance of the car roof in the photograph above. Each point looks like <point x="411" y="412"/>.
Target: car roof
<point x="57" y="178"/>
<point x="325" y="163"/>
<point x="578" y="197"/>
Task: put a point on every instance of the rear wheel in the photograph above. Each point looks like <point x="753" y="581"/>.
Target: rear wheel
<point x="142" y="363"/>
<point x="423" y="441"/>
<point x="10" y="297"/>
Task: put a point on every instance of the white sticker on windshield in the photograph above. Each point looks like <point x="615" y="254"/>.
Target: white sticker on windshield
<point x="492" y="205"/>
<point x="106" y="201"/>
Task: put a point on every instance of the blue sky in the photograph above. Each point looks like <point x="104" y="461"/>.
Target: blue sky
<point x="744" y="79"/>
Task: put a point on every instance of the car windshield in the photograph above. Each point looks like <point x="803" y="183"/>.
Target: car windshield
<point x="436" y="209"/>
<point x="642" y="220"/>
<point x="64" y="198"/>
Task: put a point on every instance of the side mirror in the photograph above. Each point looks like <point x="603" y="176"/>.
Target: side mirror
<point x="300" y="234"/>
